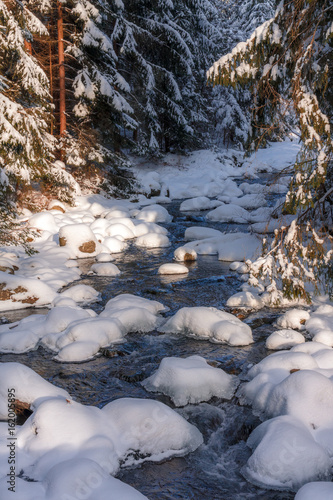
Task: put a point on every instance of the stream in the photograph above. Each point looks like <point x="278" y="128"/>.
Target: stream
<point x="213" y="472"/>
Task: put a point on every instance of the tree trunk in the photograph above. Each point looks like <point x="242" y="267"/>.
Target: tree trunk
<point x="62" y="84"/>
<point x="27" y="46"/>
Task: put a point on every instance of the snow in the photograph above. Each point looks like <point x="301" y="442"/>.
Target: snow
<point x="294" y="318"/>
<point x="209" y="323"/>
<point x="152" y="428"/>
<point x="105" y="269"/>
<point x="75" y="236"/>
<point x="284" y="339"/>
<point x="82" y="294"/>
<point x="229" y="213"/>
<point x="190" y="380"/>
<point x="246" y="300"/>
<point x="185" y="254"/>
<point x="201" y="233"/>
<point x="285" y="456"/>
<point x="154" y="213"/>
<point x="199" y="203"/>
<point x="152" y="240"/>
<point x="172" y="269"/>
<point x="29" y="387"/>
<point x="78" y="351"/>
<point x="320" y="490"/>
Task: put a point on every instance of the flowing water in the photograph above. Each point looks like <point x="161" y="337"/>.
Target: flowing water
<point x="213" y="472"/>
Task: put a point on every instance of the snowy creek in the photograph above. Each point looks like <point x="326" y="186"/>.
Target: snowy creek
<point x="212" y="472"/>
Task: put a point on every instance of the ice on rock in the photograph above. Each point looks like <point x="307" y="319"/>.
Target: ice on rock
<point x="201" y="233"/>
<point x="154" y="213"/>
<point x="190" y="380"/>
<point x="29" y="387"/>
<point x="172" y="269"/>
<point x="209" y="323"/>
<point x="105" y="269"/>
<point x="199" y="203"/>
<point x="284" y="339"/>
<point x="246" y="300"/>
<point x="114" y="245"/>
<point x="285" y="456"/>
<point x="316" y="490"/>
<point x="229" y="213"/>
<point x="152" y="240"/>
<point x="294" y="318"/>
<point x="79" y="240"/>
<point x="78" y="351"/>
<point x="82" y="294"/>
<point x="151" y="428"/>
<point x="84" y="478"/>
<point x="185" y="254"/>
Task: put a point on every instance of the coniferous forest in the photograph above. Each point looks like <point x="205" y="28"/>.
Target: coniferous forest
<point x="166" y="249"/>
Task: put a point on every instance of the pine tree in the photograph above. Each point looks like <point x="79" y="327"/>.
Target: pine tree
<point x="288" y="64"/>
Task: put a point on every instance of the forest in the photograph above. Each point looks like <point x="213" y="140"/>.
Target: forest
<point x="166" y="258"/>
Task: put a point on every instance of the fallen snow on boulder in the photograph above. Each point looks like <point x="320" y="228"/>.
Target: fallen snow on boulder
<point x="209" y="323"/>
<point x="105" y="269"/>
<point x="284" y="339"/>
<point x="190" y="380"/>
<point x="229" y="213"/>
<point x="185" y="254"/>
<point x="172" y="269"/>
<point x="294" y="318"/>
<point x="199" y="203"/>
<point x="152" y="240"/>
<point x="154" y="213"/>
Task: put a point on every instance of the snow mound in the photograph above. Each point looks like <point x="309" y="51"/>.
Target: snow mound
<point x="185" y="254"/>
<point x="229" y="213"/>
<point x="321" y="319"/>
<point x="84" y="478"/>
<point x="114" y="245"/>
<point x="285" y="456"/>
<point x="105" y="269"/>
<point x="79" y="240"/>
<point x="294" y="318"/>
<point x="154" y="213"/>
<point x="190" y="380"/>
<point x="239" y="247"/>
<point x="151" y="428"/>
<point x="78" y="351"/>
<point x="199" y="203"/>
<point x="201" y="233"/>
<point x="172" y="269"/>
<point x="44" y="221"/>
<point x="29" y="387"/>
<point x="148" y="227"/>
<point x="82" y="294"/>
<point x="246" y="300"/>
<point x="209" y="323"/>
<point x="319" y="490"/>
<point x="17" y="292"/>
<point x="284" y="339"/>
<point x="152" y="240"/>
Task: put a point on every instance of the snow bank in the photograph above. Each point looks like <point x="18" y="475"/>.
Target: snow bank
<point x="190" y="380"/>
<point x="209" y="323"/>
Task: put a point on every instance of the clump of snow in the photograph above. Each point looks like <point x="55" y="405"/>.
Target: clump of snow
<point x="294" y="318"/>
<point x="319" y="490"/>
<point x="29" y="387"/>
<point x="78" y="351"/>
<point x="229" y="213"/>
<point x="172" y="269"/>
<point x="114" y="244"/>
<point x="199" y="203"/>
<point x="321" y="319"/>
<point x="82" y="294"/>
<point x="105" y="269"/>
<point x="104" y="257"/>
<point x="245" y="300"/>
<point x="152" y="240"/>
<point x="152" y="429"/>
<point x="43" y="221"/>
<point x="190" y="380"/>
<point x="284" y="339"/>
<point x="148" y="227"/>
<point x="79" y="240"/>
<point x="285" y="456"/>
<point x="185" y="254"/>
<point x="154" y="213"/>
<point x="209" y="323"/>
<point x="201" y="233"/>
<point x="239" y="247"/>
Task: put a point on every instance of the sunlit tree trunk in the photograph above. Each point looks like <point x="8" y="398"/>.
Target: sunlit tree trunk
<point x="61" y="61"/>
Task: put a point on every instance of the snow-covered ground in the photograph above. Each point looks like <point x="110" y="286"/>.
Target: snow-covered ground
<point x="68" y="448"/>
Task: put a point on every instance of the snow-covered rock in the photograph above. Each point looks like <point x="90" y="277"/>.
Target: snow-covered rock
<point x="209" y="323"/>
<point x="185" y="254"/>
<point x="284" y="339"/>
<point x="318" y="490"/>
<point x="294" y="318"/>
<point x="152" y="240"/>
<point x="201" y="233"/>
<point x="190" y="380"/>
<point x="105" y="269"/>
<point x="229" y="213"/>
<point x="172" y="269"/>
<point x="199" y="203"/>
<point x="79" y="240"/>
<point x="154" y="213"/>
<point x="245" y="300"/>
